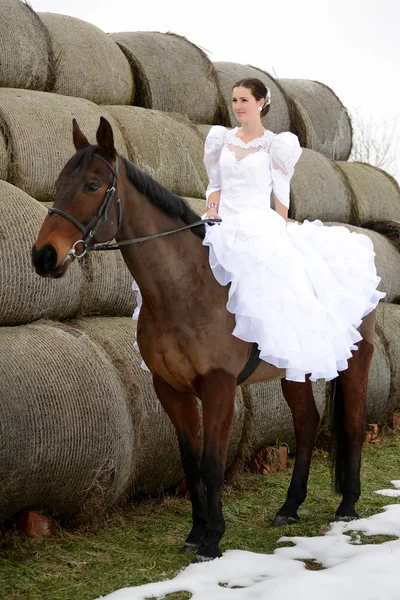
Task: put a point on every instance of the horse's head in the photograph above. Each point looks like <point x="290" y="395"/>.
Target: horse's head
<point x="86" y="207"/>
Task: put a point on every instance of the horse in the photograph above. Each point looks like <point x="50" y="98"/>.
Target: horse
<point x="184" y="331"/>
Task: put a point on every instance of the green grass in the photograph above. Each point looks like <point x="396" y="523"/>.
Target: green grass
<point x="140" y="543"/>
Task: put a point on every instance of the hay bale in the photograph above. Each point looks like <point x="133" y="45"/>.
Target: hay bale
<point x="38" y="132"/>
<point x="387" y="261"/>
<point x="166" y="148"/>
<point x="156" y="464"/>
<point x="186" y="83"/>
<point x="318" y="117"/>
<point x="203" y="130"/>
<point x="25" y="48"/>
<point x="388" y="320"/>
<point x="88" y="64"/>
<point x="376" y="194"/>
<point x="318" y="190"/>
<point x="66" y="436"/>
<point x="270" y="419"/>
<point x="278" y="118"/>
<point x="24" y="296"/>
<point x="108" y="285"/>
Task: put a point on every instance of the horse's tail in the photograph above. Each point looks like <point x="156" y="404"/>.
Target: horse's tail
<point x="339" y="446"/>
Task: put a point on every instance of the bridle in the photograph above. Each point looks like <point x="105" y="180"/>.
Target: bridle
<point x="89" y="230"/>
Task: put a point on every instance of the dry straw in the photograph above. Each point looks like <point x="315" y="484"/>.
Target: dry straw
<point x="37" y="127"/>
<point x="278" y="119"/>
<point x="25" y="48"/>
<point x="387" y="261"/>
<point x="388" y="318"/>
<point x="87" y="63"/>
<point x="67" y="432"/>
<point x="24" y="296"/>
<point x="376" y="194"/>
<point x="167" y="148"/>
<point x="319" y="118"/>
<point x="319" y="190"/>
<point x="171" y="74"/>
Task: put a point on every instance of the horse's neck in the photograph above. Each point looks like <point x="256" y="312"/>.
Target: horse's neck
<point x="163" y="268"/>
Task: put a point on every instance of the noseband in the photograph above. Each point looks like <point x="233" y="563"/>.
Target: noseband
<point x="89" y="230"/>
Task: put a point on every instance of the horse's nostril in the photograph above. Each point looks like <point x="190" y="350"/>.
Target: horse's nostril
<point x="44" y="260"/>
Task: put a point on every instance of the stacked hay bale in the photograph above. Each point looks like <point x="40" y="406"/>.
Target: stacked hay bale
<point x="119" y="428"/>
<point x="186" y="83"/>
<point x="319" y="118"/>
<point x="86" y="62"/>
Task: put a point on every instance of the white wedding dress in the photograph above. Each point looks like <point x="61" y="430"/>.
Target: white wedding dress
<point x="299" y="291"/>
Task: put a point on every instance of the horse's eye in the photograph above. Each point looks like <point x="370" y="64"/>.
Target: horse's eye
<point x="92" y="187"/>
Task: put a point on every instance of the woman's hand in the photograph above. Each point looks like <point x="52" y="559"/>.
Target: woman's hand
<point x="212" y="214"/>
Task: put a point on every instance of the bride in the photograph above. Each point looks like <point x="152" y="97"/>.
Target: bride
<point x="299" y="290"/>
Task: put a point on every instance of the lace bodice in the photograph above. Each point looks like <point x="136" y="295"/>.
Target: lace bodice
<point x="247" y="173"/>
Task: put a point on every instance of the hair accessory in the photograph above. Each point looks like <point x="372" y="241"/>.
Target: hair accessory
<point x="268" y="97"/>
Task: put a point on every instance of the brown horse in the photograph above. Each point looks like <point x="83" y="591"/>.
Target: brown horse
<point x="184" y="330"/>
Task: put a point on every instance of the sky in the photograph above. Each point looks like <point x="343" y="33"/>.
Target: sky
<point x="351" y="570"/>
<point x="353" y="46"/>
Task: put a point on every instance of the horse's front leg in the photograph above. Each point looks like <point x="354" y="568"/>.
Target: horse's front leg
<point x="300" y="399"/>
<point x="217" y="396"/>
<point x="183" y="412"/>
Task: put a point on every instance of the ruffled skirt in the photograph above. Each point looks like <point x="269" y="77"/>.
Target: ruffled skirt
<point x="299" y="291"/>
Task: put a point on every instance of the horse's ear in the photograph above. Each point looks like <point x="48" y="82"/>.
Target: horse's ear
<point x="105" y="139"/>
<point x="80" y="140"/>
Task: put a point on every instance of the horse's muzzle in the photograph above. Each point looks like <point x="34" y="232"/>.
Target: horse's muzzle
<point x="45" y="262"/>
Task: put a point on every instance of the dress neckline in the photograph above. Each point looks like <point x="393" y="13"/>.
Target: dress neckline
<point x="254" y="142"/>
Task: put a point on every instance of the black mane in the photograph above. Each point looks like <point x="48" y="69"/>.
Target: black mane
<point x="157" y="194"/>
<point x="169" y="203"/>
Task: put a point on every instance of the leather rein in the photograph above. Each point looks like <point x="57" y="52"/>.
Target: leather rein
<point x="89" y="230"/>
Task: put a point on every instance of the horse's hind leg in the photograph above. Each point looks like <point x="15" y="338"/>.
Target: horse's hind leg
<point x="300" y="398"/>
<point x="217" y="396"/>
<point x="350" y="421"/>
<point x="183" y="412"/>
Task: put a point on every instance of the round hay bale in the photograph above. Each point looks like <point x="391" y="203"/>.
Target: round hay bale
<point x="387" y="261"/>
<point x="88" y="64"/>
<point x="278" y="118"/>
<point x="156" y="464"/>
<point x="3" y="158"/>
<point x="388" y="320"/>
<point x="270" y="419"/>
<point x="376" y="194"/>
<point x="318" y="190"/>
<point x="108" y="285"/>
<point x="319" y="118"/>
<point x="24" y="296"/>
<point x="25" y="48"/>
<point x="66" y="430"/>
<point x="186" y="83"/>
<point x="38" y="130"/>
<point x="166" y="148"/>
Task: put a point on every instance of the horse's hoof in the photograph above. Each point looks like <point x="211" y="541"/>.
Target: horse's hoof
<point x="199" y="558"/>
<point x="206" y="553"/>
<point x="187" y="547"/>
<point x="281" y="521"/>
<point x="346" y="518"/>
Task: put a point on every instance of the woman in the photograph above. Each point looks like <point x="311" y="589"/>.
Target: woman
<point x="299" y="290"/>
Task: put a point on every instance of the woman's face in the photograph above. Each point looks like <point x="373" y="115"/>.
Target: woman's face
<point x="244" y="105"/>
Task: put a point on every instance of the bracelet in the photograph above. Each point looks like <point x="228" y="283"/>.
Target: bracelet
<point x="212" y="205"/>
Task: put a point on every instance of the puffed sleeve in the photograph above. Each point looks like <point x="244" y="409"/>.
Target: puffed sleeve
<point x="285" y="151"/>
<point x="212" y="150"/>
